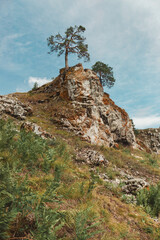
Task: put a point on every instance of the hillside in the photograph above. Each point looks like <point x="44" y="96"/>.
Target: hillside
<point x="72" y="167"/>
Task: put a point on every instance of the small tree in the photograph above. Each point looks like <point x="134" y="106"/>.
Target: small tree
<point x="134" y="128"/>
<point x="104" y="73"/>
<point x="35" y="86"/>
<point x="71" y="42"/>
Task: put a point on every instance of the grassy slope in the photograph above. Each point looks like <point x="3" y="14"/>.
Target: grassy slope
<point x="119" y="220"/>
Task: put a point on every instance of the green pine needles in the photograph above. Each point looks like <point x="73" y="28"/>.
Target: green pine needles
<point x="72" y="41"/>
<point x="105" y="74"/>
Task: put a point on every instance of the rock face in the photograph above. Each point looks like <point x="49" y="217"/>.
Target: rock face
<point x="28" y="126"/>
<point x="91" y="157"/>
<point x="132" y="186"/>
<point x="13" y="107"/>
<point x="91" y="113"/>
<point x="150" y="138"/>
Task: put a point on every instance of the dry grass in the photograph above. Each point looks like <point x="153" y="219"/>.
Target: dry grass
<point x="118" y="219"/>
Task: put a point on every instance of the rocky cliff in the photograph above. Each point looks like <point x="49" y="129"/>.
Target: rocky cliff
<point x="90" y="112"/>
<point x="11" y="106"/>
<point x="150" y="139"/>
<point x="84" y="109"/>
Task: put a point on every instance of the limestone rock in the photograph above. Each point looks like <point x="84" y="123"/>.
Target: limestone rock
<point x="91" y="157"/>
<point x="13" y="107"/>
<point x="133" y="185"/>
<point x="150" y="139"/>
<point x="90" y="113"/>
<point x="28" y="126"/>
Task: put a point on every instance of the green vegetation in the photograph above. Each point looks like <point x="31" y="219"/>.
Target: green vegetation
<point x="150" y="199"/>
<point x="72" y="42"/>
<point x="25" y="210"/>
<point x="35" y="86"/>
<point x="46" y="195"/>
<point x="104" y="73"/>
<point x="84" y="228"/>
<point x="134" y="128"/>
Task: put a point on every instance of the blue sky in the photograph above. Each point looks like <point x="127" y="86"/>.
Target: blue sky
<point x="124" y="34"/>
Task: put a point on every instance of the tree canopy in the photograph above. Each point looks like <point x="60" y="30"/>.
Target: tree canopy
<point x="71" y="42"/>
<point x="104" y="73"/>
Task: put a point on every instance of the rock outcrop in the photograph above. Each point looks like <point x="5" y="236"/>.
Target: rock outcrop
<point x="11" y="106"/>
<point x="91" y="157"/>
<point x="33" y="127"/>
<point x="132" y="186"/>
<point x="150" y="139"/>
<point x="90" y="112"/>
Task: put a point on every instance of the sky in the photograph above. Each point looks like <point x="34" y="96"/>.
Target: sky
<point x="124" y="34"/>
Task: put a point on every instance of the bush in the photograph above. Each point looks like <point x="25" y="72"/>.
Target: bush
<point x="7" y="134"/>
<point x="84" y="227"/>
<point x="19" y="203"/>
<point x="23" y="210"/>
<point x="30" y="148"/>
<point x="6" y="195"/>
<point x="150" y="199"/>
<point x="153" y="162"/>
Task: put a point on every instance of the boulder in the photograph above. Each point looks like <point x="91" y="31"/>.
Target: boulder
<point x="149" y="139"/>
<point x="29" y="126"/>
<point x="132" y="186"/>
<point x="91" y="157"/>
<point x="11" y="106"/>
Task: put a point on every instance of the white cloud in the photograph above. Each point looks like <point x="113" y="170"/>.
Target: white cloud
<point x="147" y="122"/>
<point x="9" y="45"/>
<point x="39" y="81"/>
<point x="122" y="33"/>
<point x="7" y="41"/>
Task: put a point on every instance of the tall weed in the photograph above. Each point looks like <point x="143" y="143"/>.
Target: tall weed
<point x="150" y="199"/>
<point x="84" y="226"/>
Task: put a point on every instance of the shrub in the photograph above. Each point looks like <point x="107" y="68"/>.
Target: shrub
<point x="18" y="201"/>
<point x="153" y="162"/>
<point x="150" y="199"/>
<point x="7" y="134"/>
<point x="93" y="180"/>
<point x="47" y="220"/>
<point x="84" y="227"/>
<point x="24" y="212"/>
<point x="6" y="195"/>
<point x="30" y="147"/>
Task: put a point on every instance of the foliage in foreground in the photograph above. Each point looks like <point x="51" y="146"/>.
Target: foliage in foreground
<point x="150" y="199"/>
<point x="83" y="226"/>
<point x="29" y="210"/>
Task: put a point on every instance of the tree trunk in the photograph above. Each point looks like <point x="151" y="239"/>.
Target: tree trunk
<point x="66" y="59"/>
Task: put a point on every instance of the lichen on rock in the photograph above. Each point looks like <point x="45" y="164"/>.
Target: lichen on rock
<point x="91" y="157"/>
<point x="95" y="116"/>
<point x="33" y="127"/>
<point x="149" y="139"/>
<point x="132" y="186"/>
<point x="11" y="106"/>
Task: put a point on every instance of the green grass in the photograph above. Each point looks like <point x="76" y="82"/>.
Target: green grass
<point x="45" y="194"/>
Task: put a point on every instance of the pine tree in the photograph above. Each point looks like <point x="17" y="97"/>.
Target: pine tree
<point x="71" y="42"/>
<point x="104" y="73"/>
